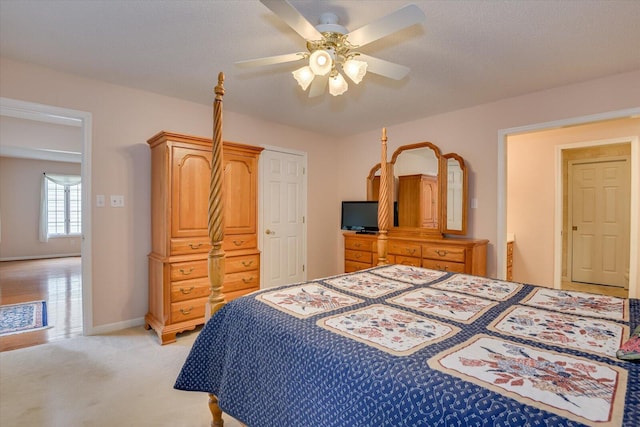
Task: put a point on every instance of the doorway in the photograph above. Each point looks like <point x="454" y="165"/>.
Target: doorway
<point x="548" y="236"/>
<point x="283" y="201"/>
<point x="68" y="117"/>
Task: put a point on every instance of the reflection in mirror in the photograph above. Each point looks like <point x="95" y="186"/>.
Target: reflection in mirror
<point x="416" y="188"/>
<point x="456" y="190"/>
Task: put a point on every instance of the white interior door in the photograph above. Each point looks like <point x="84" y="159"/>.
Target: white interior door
<point x="283" y="201"/>
<point x="600" y="221"/>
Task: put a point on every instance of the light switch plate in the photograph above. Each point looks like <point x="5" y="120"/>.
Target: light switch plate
<point x="117" y="201"/>
<point x="100" y="200"/>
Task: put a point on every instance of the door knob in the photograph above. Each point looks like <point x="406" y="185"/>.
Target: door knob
<point x="267" y="231"/>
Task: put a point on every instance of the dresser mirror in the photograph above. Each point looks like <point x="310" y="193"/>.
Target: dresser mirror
<point x="429" y="189"/>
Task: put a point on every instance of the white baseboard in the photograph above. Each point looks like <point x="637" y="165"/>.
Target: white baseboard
<point x="28" y="257"/>
<point x="113" y="327"/>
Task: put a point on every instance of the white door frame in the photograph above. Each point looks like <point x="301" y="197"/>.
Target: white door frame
<point x="65" y="116"/>
<point x="501" y="237"/>
<point x="262" y="192"/>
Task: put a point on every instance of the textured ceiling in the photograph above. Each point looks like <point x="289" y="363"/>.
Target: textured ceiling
<point x="466" y="53"/>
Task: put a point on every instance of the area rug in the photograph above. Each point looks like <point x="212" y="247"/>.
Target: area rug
<point x="23" y="317"/>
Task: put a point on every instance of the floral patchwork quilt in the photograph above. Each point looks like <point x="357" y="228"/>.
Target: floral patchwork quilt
<point x="404" y="346"/>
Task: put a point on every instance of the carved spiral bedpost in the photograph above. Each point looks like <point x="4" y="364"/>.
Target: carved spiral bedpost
<point x="216" y="209"/>
<point x="216" y="228"/>
<point x="383" y="202"/>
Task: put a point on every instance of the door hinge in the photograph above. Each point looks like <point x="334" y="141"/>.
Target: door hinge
<point x="303" y="219"/>
<point x="304" y="171"/>
<point x="303" y="268"/>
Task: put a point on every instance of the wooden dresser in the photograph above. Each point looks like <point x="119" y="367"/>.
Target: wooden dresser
<point x="178" y="266"/>
<point x="455" y="255"/>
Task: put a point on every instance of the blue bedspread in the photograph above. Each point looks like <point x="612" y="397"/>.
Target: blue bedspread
<point x="404" y="346"/>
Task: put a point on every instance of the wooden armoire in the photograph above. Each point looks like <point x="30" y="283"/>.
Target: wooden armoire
<point x="178" y="267"/>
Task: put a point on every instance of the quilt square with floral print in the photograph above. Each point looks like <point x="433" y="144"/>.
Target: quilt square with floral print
<point x="307" y="300"/>
<point x="586" y="391"/>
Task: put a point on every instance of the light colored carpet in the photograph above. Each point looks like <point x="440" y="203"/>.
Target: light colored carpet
<point x="121" y="379"/>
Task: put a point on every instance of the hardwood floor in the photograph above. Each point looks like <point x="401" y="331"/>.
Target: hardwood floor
<point x="58" y="281"/>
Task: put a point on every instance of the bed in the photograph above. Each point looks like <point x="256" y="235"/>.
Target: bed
<point x="396" y="345"/>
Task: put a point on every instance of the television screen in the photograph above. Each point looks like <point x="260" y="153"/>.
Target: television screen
<point x="360" y="216"/>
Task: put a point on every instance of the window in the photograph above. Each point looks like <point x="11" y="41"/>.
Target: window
<point x="61" y="209"/>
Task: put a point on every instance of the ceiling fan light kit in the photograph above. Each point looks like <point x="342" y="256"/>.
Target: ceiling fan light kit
<point x="331" y="47"/>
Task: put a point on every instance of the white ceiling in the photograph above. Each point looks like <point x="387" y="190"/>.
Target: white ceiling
<point x="466" y="53"/>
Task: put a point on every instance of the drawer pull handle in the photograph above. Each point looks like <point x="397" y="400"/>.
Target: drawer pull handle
<point x="249" y="280"/>
<point x="247" y="263"/>
<point x="358" y="255"/>
<point x="411" y="251"/>
<point x="186" y="273"/>
<point x="440" y="267"/>
<point x="357" y="245"/>
<point x="192" y="246"/>
<point x="238" y="242"/>
<point x="187" y="290"/>
<point x="441" y="252"/>
<point x="187" y="311"/>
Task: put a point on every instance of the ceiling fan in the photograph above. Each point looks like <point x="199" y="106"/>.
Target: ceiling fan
<point x="331" y="48"/>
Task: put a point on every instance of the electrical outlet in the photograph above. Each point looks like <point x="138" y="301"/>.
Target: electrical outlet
<point x="117" y="201"/>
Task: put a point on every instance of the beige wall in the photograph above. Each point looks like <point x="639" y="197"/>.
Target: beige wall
<point x="124" y="118"/>
<point x="20" y="184"/>
<point x="531" y="191"/>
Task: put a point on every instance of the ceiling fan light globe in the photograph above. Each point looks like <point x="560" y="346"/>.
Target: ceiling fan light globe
<point x="337" y="85"/>
<point x="320" y="62"/>
<point x="304" y="76"/>
<point x="355" y="69"/>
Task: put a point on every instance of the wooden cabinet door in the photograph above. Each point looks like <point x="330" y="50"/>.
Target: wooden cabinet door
<point x="191" y="171"/>
<point x="240" y="192"/>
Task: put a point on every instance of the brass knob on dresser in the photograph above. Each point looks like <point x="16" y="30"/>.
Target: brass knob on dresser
<point x="441" y="252"/>
<point x="247" y="263"/>
<point x="249" y="280"/>
<point x="238" y="242"/>
<point x="187" y="311"/>
<point x="187" y="290"/>
<point x="192" y="246"/>
<point x="186" y="273"/>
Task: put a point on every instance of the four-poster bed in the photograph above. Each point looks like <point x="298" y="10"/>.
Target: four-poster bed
<point x="402" y="345"/>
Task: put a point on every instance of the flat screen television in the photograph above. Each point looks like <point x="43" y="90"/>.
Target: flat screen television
<point x="362" y="216"/>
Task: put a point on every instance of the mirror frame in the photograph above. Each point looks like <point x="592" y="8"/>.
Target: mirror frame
<point x="372" y="194"/>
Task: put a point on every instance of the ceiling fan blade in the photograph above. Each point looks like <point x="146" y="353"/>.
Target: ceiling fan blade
<point x="270" y="60"/>
<point x="318" y="85"/>
<point x="389" y="24"/>
<point x="384" y="68"/>
<point x="293" y="18"/>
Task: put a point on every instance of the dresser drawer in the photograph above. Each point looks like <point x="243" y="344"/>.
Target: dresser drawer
<point x="190" y="289"/>
<point x="187" y="310"/>
<point x="358" y="244"/>
<point x="189" y="270"/>
<point x="407" y="260"/>
<point x="358" y="256"/>
<point x="452" y="267"/>
<point x="235" y="264"/>
<point x="351" y="266"/>
<point x="242" y="280"/>
<point x="405" y="249"/>
<point x="443" y="252"/>
<point x="190" y="245"/>
<point x="235" y="242"/>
